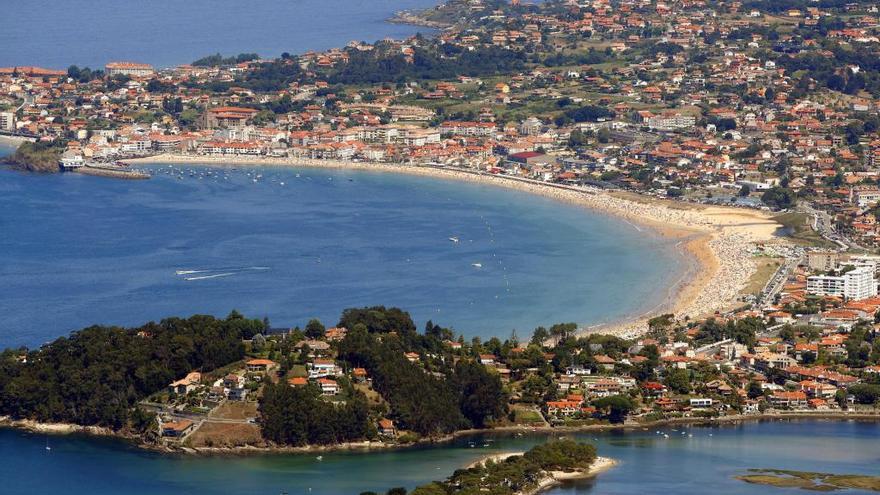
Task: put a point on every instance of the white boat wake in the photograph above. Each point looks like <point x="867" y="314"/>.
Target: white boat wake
<point x="205" y="277"/>
<point x="224" y="272"/>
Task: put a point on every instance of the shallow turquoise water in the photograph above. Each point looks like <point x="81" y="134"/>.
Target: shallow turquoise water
<point x="79" y="250"/>
<point x="702" y="463"/>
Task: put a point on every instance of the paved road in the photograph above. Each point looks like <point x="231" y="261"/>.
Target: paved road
<point x="823" y="223"/>
<point x="777" y="282"/>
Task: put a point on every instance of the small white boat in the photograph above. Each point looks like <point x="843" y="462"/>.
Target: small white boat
<point x="454" y="239"/>
<point x="320" y="458"/>
<point x="477" y="265"/>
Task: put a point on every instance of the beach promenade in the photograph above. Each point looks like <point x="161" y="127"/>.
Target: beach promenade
<point x="718" y="241"/>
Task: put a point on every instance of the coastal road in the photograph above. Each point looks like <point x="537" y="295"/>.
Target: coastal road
<point x="777" y="281"/>
<point x="823" y="224"/>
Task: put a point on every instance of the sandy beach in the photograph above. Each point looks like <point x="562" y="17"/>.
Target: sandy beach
<point x="717" y="241"/>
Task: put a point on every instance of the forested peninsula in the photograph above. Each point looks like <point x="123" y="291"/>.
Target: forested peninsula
<point x="39" y="157"/>
<point x="154" y="381"/>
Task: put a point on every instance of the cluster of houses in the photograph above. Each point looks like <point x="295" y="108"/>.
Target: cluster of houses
<point x="672" y="373"/>
<point x="667" y="129"/>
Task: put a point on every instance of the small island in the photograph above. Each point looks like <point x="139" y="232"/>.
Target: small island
<point x="542" y="467"/>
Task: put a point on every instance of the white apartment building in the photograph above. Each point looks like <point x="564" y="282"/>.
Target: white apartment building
<point x="866" y="197"/>
<point x="7" y="121"/>
<point x="671" y="122"/>
<point x="468" y="128"/>
<point x="854" y="285"/>
<point x="866" y="260"/>
<point x="132" y="69"/>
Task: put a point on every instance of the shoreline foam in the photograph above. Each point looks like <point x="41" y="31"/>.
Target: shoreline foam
<point x="716" y="241"/>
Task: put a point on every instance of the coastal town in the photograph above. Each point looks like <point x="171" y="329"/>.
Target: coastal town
<point x="746" y="132"/>
<point x="703" y="104"/>
<point x="315" y="388"/>
<point x="722" y="103"/>
<point x="720" y="369"/>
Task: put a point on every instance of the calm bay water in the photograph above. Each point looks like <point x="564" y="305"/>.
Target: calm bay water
<point x="58" y="33"/>
<point x="683" y="465"/>
<point x="78" y="250"/>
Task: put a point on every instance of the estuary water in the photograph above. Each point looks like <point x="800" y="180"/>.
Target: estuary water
<point x="58" y="33"/>
<point x="297" y="243"/>
<point x="692" y="461"/>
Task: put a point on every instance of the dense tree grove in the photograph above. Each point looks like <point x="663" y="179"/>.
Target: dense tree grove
<point x="84" y="74"/>
<point x="586" y="113"/>
<point x="429" y="396"/>
<point x="779" y="198"/>
<point x="218" y="60"/>
<point x="97" y="375"/>
<point x="615" y="407"/>
<point x="427" y="401"/>
<point x="298" y="416"/>
<point x="379" y="319"/>
<point x="865" y="393"/>
<point x="743" y="331"/>
<point x="420" y="401"/>
<point x="368" y="67"/>
<point x="41" y="156"/>
<point x="480" y="393"/>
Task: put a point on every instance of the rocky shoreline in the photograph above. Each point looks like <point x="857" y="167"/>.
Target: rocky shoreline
<point x="414" y="19"/>
<point x="366" y="446"/>
<point x="718" y="241"/>
<point x="62" y="428"/>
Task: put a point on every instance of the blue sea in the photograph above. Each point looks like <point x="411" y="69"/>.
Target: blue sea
<point x="691" y="461"/>
<point x="58" y="33"/>
<point x="297" y="243"/>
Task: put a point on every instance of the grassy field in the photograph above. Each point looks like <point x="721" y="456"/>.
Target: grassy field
<point x="800" y="229"/>
<point x="764" y="269"/>
<point x="225" y="435"/>
<point x="373" y="397"/>
<point x="527" y="416"/>
<point x="298" y="370"/>
<point x="235" y="410"/>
